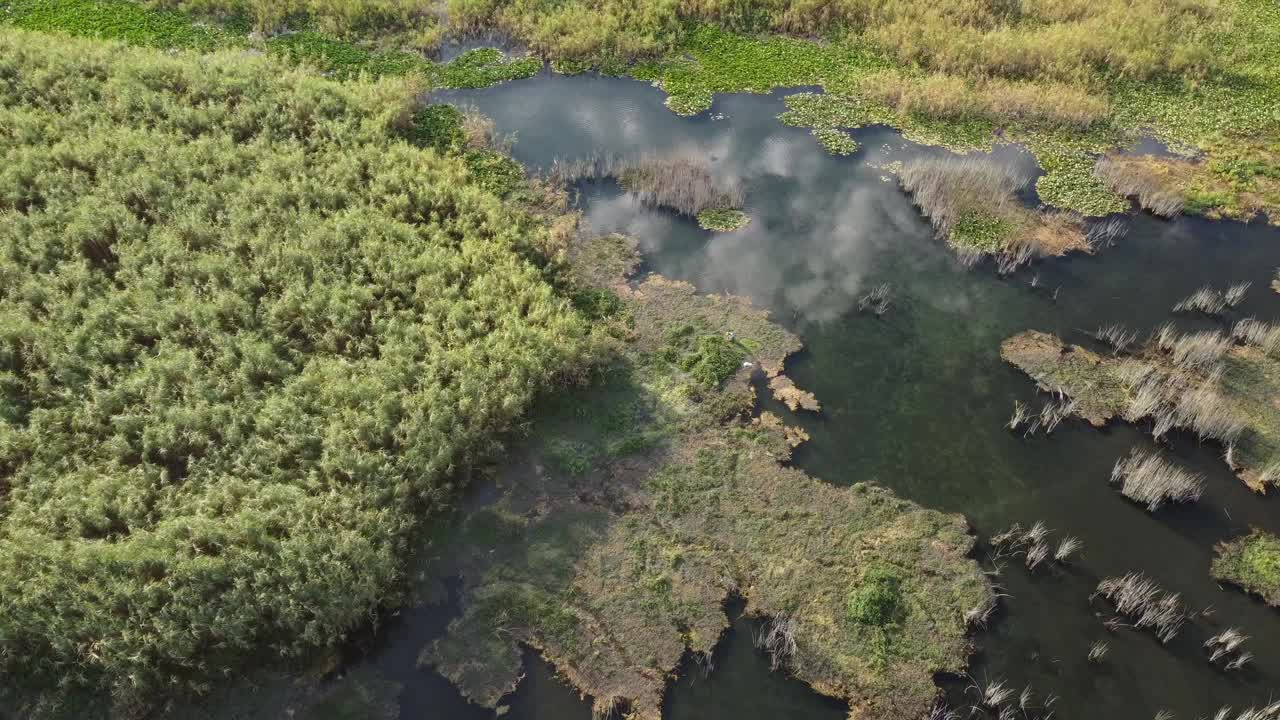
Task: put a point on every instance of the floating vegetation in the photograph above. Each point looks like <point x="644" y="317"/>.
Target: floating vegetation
<point x="680" y="181"/>
<point x="1149" y="479"/>
<point x="722" y="219"/>
<point x="1145" y="604"/>
<point x="1098" y="652"/>
<point x="634" y="559"/>
<point x="1251" y="562"/>
<point x="972" y="204"/>
<point x="876" y="300"/>
<point x="1205" y="300"/>
<point x="835" y="140"/>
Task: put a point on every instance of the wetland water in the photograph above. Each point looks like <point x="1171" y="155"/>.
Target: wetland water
<point x="917" y="400"/>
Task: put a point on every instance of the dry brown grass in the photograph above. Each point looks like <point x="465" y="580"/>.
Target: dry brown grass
<point x="971" y="202"/>
<point x="682" y="181"/>
<point x="1154" y="182"/>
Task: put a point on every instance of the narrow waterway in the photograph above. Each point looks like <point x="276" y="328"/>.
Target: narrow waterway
<point x="917" y="400"/>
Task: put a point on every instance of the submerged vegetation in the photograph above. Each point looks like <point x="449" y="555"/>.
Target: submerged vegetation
<point x="1215" y="385"/>
<point x="1253" y="563"/>
<point x="248" y="336"/>
<point x="615" y="570"/>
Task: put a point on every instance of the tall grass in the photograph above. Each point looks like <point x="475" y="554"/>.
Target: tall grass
<point x="997" y="100"/>
<point x="1140" y="178"/>
<point x="777" y="638"/>
<point x="1116" y="336"/>
<point x="948" y="189"/>
<point x="1206" y="300"/>
<point x="1151" y="480"/>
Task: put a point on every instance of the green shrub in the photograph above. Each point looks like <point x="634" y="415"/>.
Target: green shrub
<point x="877" y="597"/>
<point x="248" y="335"/>
<point x="713" y="360"/>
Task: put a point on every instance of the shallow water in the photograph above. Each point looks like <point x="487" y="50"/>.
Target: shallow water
<point x="917" y="400"/>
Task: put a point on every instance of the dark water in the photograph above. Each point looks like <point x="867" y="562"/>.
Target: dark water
<point x="917" y="400"/>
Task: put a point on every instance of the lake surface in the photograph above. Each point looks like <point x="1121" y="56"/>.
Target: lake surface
<point x="918" y="400"/>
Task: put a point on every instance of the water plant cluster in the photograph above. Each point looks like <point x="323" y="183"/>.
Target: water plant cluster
<point x="1213" y="383"/>
<point x="681" y="181"/>
<point x="972" y="203"/>
<point x="1145" y="604"/>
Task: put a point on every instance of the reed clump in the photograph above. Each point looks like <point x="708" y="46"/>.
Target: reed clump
<point x="972" y="203"/>
<point x="1149" y="479"/>
<point x="1227" y="648"/>
<point x="1098" y="652"/>
<point x="680" y="181"/>
<point x="1116" y="336"/>
<point x="1145" y="604"/>
<point x="777" y="639"/>
<point x="1267" y="712"/>
<point x="1206" y="300"/>
<point x="1033" y="545"/>
<point x="877" y="299"/>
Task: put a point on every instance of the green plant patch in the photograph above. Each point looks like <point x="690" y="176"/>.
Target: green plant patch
<point x="483" y="67"/>
<point x="876" y="599"/>
<point x="1253" y="563"/>
<point x="836" y="141"/>
<point x="303" y="327"/>
<point x="123" y="20"/>
<point x="712" y="360"/>
<point x="722" y="219"/>
<point x="983" y="232"/>
<point x="437" y="126"/>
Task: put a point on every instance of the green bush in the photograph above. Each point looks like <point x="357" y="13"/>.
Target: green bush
<point x="713" y="360"/>
<point x="248" y="334"/>
<point x="877" y="598"/>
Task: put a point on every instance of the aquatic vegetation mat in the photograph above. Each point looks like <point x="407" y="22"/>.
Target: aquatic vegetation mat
<point x="1251" y="562"/>
<point x="617" y="562"/>
<point x="1221" y="388"/>
<point x="248" y="332"/>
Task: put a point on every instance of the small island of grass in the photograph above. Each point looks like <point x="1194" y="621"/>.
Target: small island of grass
<point x="722" y="219"/>
<point x="1252" y="562"/>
